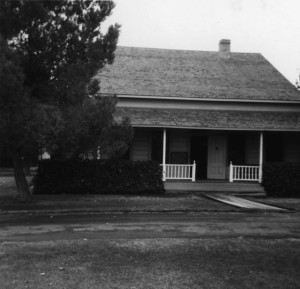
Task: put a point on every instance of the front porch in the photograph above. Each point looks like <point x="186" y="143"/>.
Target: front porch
<point x="213" y="186"/>
<point x="188" y="172"/>
<point x="215" y="155"/>
<point x="212" y="155"/>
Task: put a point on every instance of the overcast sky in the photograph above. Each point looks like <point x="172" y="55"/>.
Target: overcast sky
<point x="270" y="27"/>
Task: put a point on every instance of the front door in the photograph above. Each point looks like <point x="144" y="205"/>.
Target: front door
<point x="216" y="158"/>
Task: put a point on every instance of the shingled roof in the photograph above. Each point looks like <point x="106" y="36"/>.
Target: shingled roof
<point x="211" y="119"/>
<point x="194" y="74"/>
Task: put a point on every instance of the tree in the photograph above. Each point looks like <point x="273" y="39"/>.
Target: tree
<point x="89" y="126"/>
<point x="50" y="51"/>
<point x="14" y="112"/>
<point x="297" y="83"/>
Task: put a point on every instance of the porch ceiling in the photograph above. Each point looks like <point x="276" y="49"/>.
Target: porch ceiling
<point x="211" y="119"/>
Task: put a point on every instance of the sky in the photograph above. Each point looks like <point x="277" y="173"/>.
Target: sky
<point x="269" y="27"/>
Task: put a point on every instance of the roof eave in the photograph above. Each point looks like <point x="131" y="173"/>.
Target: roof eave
<point x="228" y="100"/>
<point x="215" y="128"/>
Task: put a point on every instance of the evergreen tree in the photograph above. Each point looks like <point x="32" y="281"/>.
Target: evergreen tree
<point x="49" y="53"/>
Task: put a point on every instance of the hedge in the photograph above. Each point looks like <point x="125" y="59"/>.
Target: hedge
<point x="282" y="179"/>
<point x="98" y="177"/>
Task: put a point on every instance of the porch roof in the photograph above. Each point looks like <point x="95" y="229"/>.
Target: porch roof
<point x="211" y="119"/>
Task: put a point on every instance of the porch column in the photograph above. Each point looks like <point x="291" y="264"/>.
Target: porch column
<point x="261" y="147"/>
<point x="194" y="172"/>
<point x="230" y="172"/>
<point x="164" y="153"/>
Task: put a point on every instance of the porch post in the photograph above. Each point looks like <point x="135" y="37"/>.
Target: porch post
<point x="194" y="172"/>
<point x="261" y="146"/>
<point x="164" y="153"/>
<point x="230" y="173"/>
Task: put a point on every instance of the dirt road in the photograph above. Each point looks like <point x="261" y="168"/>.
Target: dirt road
<point x="151" y="225"/>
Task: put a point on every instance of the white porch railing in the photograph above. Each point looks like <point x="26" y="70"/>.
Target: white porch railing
<point x="179" y="172"/>
<point x="244" y="173"/>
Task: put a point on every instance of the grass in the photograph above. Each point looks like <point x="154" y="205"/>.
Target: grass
<point x="151" y="263"/>
<point x="286" y="203"/>
<point x="7" y="186"/>
<point x="9" y="201"/>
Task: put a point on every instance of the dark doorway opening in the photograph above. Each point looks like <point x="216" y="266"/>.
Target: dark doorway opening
<point x="236" y="148"/>
<point x="199" y="154"/>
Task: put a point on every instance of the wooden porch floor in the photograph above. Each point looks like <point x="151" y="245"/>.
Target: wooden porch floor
<point x="212" y="186"/>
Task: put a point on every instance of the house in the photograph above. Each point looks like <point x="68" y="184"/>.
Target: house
<point x="205" y="115"/>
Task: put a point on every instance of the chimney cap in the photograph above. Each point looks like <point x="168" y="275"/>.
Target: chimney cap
<point x="224" y="41"/>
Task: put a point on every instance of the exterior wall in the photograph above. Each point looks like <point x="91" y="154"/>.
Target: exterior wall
<point x="252" y="149"/>
<point x="291" y="148"/>
<point x="141" y="146"/>
<point x="246" y="145"/>
<point x="179" y="147"/>
<point x="282" y="147"/>
<point x="179" y="143"/>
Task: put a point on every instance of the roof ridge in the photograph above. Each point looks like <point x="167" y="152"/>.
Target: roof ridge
<point x="183" y="50"/>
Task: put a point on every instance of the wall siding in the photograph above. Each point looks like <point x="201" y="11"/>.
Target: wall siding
<point x="252" y="149"/>
<point x="179" y="142"/>
<point x="291" y="148"/>
<point x="141" y="146"/>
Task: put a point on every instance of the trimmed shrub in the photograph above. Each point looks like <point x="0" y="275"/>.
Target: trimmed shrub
<point x="282" y="179"/>
<point x="98" y="177"/>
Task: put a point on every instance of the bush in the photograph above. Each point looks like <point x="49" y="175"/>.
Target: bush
<point x="282" y="179"/>
<point x="98" y="177"/>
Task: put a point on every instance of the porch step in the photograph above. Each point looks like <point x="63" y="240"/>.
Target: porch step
<point x="212" y="186"/>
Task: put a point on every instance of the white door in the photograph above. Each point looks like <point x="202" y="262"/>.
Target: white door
<point x="216" y="158"/>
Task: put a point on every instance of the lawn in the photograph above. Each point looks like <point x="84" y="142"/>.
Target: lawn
<point x="287" y="203"/>
<point x="7" y="186"/>
<point x="152" y="263"/>
<point x="9" y="201"/>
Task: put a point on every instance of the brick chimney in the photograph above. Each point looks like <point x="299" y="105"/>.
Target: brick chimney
<point x="224" y="49"/>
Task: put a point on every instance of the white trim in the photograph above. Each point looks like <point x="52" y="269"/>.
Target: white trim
<point x="204" y="99"/>
<point x="219" y="129"/>
<point x="179" y="172"/>
<point x="230" y="172"/>
<point x="194" y="172"/>
<point x="261" y="148"/>
<point x="164" y="153"/>
<point x="244" y="173"/>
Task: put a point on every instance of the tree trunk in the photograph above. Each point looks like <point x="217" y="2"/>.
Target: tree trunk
<point x="26" y="166"/>
<point x="21" y="181"/>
